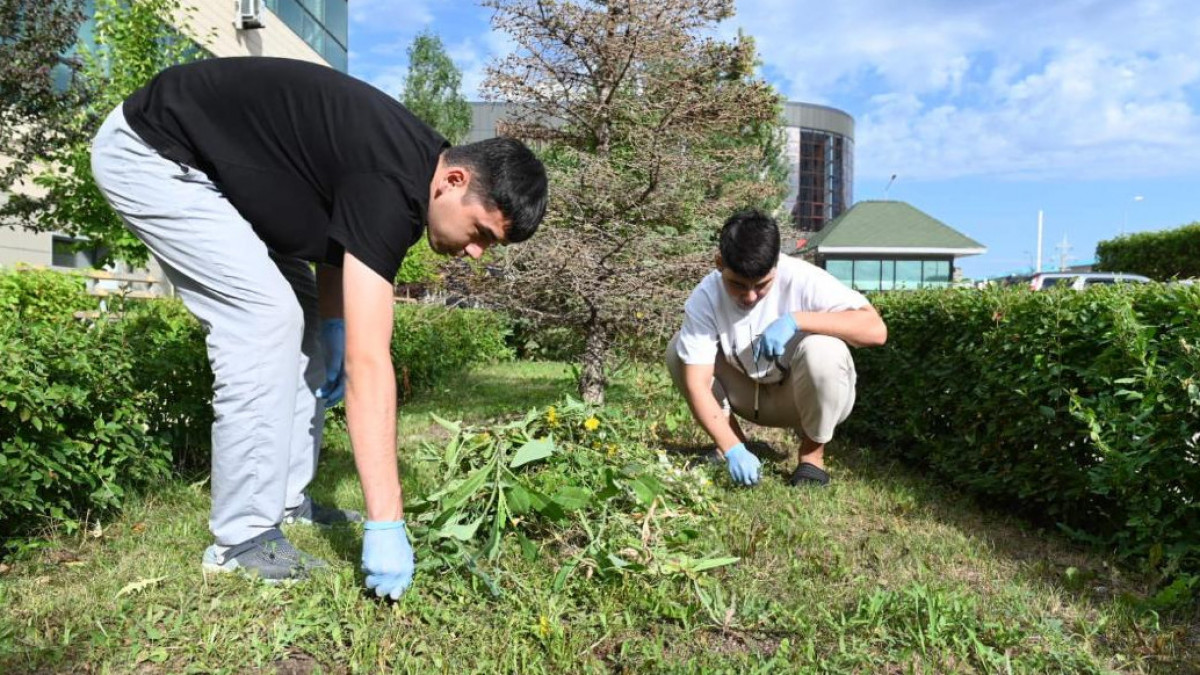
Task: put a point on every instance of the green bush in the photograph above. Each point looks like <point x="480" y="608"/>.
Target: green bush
<point x="73" y="426"/>
<point x="40" y="295"/>
<point x="1080" y="408"/>
<point x="92" y="409"/>
<point x="168" y="345"/>
<point x="431" y="343"/>
<point x="1159" y="255"/>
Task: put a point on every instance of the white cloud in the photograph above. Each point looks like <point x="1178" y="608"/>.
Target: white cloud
<point x="1020" y="88"/>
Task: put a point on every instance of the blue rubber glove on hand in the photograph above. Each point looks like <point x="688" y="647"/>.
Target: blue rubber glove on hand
<point x="333" y="345"/>
<point x="387" y="557"/>
<point x="743" y="465"/>
<point x="773" y="341"/>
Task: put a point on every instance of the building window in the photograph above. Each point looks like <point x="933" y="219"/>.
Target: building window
<point x="908" y="274"/>
<point x="73" y="253"/>
<point x="937" y="273"/>
<point x="886" y="275"/>
<point x="867" y="274"/>
<point x="323" y="24"/>
<point x="826" y="175"/>
<point x="842" y="270"/>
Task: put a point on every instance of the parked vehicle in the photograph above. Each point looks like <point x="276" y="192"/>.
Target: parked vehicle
<point x="1104" y="279"/>
<point x="1043" y="280"/>
<point x="1081" y="280"/>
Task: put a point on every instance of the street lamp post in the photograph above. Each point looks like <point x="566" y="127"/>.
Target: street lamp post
<point x="1125" y="218"/>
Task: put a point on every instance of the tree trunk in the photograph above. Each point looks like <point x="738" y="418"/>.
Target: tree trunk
<point x="591" y="376"/>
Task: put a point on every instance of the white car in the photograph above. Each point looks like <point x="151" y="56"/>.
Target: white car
<point x="1082" y="280"/>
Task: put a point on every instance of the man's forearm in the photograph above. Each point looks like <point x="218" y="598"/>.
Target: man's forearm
<point x="712" y="418"/>
<point x="859" y="327"/>
<point x="371" y="417"/>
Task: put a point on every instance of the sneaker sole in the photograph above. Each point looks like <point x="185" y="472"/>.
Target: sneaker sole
<point x="214" y="568"/>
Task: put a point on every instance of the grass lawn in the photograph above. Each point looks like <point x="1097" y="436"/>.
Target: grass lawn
<point x="881" y="573"/>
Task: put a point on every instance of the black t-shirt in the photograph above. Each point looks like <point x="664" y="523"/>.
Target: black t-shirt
<point x="318" y="162"/>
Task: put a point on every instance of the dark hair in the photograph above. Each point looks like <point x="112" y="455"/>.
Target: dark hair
<point x="750" y="243"/>
<point x="505" y="175"/>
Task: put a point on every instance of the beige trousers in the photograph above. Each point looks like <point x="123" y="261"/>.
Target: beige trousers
<point x="815" y="397"/>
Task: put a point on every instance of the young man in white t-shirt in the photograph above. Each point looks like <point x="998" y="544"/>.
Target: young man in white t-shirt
<point x="765" y="337"/>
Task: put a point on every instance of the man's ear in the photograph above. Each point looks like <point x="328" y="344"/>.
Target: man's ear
<point x="451" y="178"/>
<point x="720" y="263"/>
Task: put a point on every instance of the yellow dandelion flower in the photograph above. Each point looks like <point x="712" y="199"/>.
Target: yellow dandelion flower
<point x="591" y="423"/>
<point x="552" y="416"/>
<point x="543" y="626"/>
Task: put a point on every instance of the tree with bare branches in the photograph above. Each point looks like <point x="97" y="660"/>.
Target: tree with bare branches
<point x="653" y="131"/>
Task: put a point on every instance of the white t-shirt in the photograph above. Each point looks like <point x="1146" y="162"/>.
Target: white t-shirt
<point x="713" y="320"/>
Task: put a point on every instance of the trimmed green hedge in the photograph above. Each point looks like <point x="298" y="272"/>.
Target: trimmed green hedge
<point x="1082" y="408"/>
<point x="1173" y="254"/>
<point x="92" y="409"/>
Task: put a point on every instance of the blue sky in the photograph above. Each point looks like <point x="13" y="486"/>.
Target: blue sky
<point x="987" y="111"/>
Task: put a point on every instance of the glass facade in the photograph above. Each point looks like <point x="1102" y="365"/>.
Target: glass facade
<point x="323" y="24"/>
<point x="826" y="178"/>
<point x="874" y="274"/>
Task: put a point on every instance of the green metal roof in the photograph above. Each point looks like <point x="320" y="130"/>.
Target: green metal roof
<point x="890" y="227"/>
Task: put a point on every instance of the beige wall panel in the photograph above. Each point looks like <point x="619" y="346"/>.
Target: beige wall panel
<point x="20" y="246"/>
<point x="211" y="23"/>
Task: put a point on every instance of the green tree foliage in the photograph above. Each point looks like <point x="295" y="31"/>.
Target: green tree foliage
<point x="132" y="44"/>
<point x="653" y="132"/>
<point x="432" y="88"/>
<point x="432" y="91"/>
<point x="38" y="95"/>
<point x="1159" y="255"/>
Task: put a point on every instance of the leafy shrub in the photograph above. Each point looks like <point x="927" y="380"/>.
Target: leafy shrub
<point x="1080" y="408"/>
<point x="42" y="295"/>
<point x="432" y="343"/>
<point x="90" y="410"/>
<point x="73" y="426"/>
<point x="168" y="345"/>
<point x="1158" y="255"/>
<point x="544" y="343"/>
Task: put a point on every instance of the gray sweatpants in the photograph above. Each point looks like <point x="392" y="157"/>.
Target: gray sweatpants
<point x="817" y="395"/>
<point x="260" y="313"/>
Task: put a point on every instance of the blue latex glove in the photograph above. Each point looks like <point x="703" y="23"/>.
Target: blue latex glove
<point x="743" y="465"/>
<point x="387" y="557"/>
<point x="333" y="345"/>
<point x="773" y="341"/>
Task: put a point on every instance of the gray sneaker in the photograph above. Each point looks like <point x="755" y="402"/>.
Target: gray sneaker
<point x="269" y="556"/>
<point x="312" y="513"/>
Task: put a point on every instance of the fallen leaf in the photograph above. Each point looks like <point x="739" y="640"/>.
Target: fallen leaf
<point x="136" y="586"/>
<point x="139" y="528"/>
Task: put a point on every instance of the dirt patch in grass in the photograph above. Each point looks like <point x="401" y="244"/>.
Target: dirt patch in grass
<point x="724" y="643"/>
<point x="297" y="663"/>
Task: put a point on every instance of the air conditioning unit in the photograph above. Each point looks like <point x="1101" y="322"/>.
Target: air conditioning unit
<point x="249" y="14"/>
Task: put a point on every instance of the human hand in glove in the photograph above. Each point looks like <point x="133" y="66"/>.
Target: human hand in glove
<point x="387" y="557"/>
<point x="333" y="346"/>
<point x="774" y="339"/>
<point x="743" y="465"/>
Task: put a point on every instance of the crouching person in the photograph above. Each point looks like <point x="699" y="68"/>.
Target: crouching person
<point x="765" y="337"/>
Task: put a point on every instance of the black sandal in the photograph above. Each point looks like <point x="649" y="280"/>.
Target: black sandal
<point x="809" y="474"/>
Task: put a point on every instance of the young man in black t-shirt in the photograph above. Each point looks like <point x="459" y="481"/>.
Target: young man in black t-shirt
<point x="238" y="174"/>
